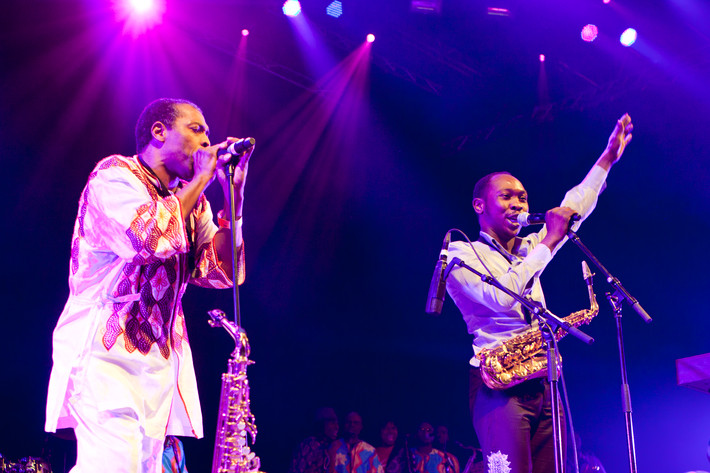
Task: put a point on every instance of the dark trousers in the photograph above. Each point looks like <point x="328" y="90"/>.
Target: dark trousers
<point x="514" y="426"/>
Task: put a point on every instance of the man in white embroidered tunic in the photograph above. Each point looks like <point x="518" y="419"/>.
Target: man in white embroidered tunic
<point x="123" y="376"/>
<point x="514" y="425"/>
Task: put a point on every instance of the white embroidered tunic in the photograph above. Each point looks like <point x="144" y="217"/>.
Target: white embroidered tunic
<point x="120" y="342"/>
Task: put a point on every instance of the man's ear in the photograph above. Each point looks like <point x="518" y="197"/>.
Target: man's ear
<point x="158" y="131"/>
<point x="478" y="205"/>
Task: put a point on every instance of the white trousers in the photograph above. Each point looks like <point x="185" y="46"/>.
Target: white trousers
<point x="114" y="442"/>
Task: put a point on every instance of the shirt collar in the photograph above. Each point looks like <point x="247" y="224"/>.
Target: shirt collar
<point x="523" y="247"/>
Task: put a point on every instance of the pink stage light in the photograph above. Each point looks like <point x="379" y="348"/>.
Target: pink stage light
<point x="139" y="15"/>
<point x="291" y="8"/>
<point x="590" y="33"/>
<point x="542" y="58"/>
<point x="141" y="6"/>
<point x="371" y="38"/>
<point x="245" y="32"/>
<point x="606" y="1"/>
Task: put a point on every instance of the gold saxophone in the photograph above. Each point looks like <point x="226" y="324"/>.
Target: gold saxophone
<point x="235" y="420"/>
<point x="523" y="357"/>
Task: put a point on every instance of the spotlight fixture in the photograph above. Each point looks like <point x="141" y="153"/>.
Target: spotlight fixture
<point x="291" y="8"/>
<point x="628" y="37"/>
<point x="498" y="11"/>
<point x="589" y="33"/>
<point x="245" y="32"/>
<point x="426" y="6"/>
<point x="335" y="9"/>
<point x="371" y="38"/>
<point x="542" y="58"/>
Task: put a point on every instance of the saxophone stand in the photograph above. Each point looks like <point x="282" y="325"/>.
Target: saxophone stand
<point x="548" y="323"/>
<point x="616" y="299"/>
<point x="235" y="421"/>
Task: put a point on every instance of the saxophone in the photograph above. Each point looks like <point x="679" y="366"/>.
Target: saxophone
<point x="235" y="420"/>
<point x="523" y="357"/>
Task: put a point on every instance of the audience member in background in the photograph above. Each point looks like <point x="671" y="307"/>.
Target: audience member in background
<point x="588" y="462"/>
<point x="350" y="454"/>
<point x="427" y="459"/>
<point x="443" y="443"/>
<point x="311" y="455"/>
<point x="391" y="454"/>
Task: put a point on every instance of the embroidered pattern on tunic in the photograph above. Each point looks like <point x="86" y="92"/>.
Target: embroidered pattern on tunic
<point x="155" y="227"/>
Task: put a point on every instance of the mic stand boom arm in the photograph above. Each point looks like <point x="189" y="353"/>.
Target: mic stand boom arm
<point x="620" y="292"/>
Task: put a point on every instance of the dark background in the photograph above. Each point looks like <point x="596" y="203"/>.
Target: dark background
<point x="345" y="210"/>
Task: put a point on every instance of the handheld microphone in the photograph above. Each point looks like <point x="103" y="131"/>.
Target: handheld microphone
<point x="240" y="146"/>
<point x="237" y="148"/>
<point x="437" y="289"/>
<point x="525" y="219"/>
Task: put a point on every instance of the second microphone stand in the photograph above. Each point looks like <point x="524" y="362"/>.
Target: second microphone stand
<point x="616" y="300"/>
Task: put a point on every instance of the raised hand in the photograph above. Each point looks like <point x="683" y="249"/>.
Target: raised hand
<point x="619" y="138"/>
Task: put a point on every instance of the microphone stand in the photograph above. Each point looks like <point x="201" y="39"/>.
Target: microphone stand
<point x="548" y="324"/>
<point x="233" y="232"/>
<point x="616" y="299"/>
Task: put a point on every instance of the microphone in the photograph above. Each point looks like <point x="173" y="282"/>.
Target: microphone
<point x="240" y="146"/>
<point x="437" y="289"/>
<point x="525" y="219"/>
<point x="237" y="148"/>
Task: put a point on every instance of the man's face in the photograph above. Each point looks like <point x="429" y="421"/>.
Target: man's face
<point x="330" y="428"/>
<point x="389" y="434"/>
<point x="442" y="435"/>
<point x="188" y="134"/>
<point x="353" y="424"/>
<point x="504" y="198"/>
<point x="425" y="433"/>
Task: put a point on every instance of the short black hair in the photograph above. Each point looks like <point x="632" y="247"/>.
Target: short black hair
<point x="482" y="185"/>
<point x="162" y="110"/>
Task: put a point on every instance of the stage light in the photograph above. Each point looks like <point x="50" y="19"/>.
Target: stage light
<point x="495" y="11"/>
<point x="542" y="58"/>
<point x="370" y="38"/>
<point x="335" y="9"/>
<point x="291" y="8"/>
<point x="606" y="1"/>
<point x="245" y="32"/>
<point x="426" y="6"/>
<point x="141" y="6"/>
<point x="628" y="37"/>
<point x="139" y="16"/>
<point x="590" y="33"/>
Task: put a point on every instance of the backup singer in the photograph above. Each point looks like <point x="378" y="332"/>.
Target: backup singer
<point x="514" y="425"/>
<point x="123" y="376"/>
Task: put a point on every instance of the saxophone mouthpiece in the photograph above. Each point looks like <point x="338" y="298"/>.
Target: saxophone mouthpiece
<point x="586" y="272"/>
